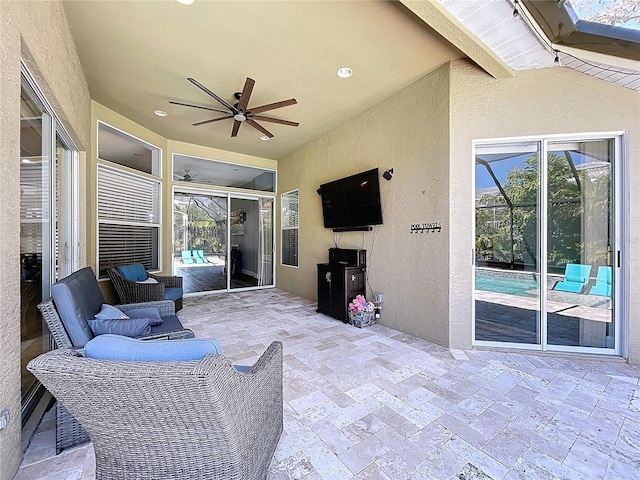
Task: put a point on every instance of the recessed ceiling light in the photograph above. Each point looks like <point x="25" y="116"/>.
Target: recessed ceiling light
<point x="345" y="72"/>
<point x="160" y="113"/>
<point x="26" y="160"/>
<point x="265" y="138"/>
<point x="186" y="2"/>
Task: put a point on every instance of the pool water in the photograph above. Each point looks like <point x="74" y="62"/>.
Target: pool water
<point x="520" y="286"/>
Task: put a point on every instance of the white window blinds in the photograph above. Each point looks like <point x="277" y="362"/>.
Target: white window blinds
<point x="289" y="225"/>
<point x="128" y="218"/>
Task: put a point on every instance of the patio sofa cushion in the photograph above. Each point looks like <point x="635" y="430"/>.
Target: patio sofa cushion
<point x="110" y="312"/>
<point x="134" y="272"/>
<point x="135" y="327"/>
<point x="170" y="323"/>
<point x="116" y="347"/>
<point x="150" y="313"/>
<point x="172" y="293"/>
<point x="78" y="298"/>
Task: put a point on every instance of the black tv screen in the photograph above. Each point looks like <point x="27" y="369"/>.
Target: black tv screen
<point x="352" y="202"/>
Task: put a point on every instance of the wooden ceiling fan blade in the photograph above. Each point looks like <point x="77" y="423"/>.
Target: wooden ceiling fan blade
<point x="246" y="93"/>
<point x="198" y="106"/>
<point x="197" y="124"/>
<point x="259" y="127"/>
<point x="209" y="92"/>
<point x="273" y="106"/>
<point x="236" y="127"/>
<point x="275" y="120"/>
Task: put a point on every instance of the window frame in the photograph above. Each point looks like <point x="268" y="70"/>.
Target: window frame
<point x="156" y="225"/>
<point x="290" y="228"/>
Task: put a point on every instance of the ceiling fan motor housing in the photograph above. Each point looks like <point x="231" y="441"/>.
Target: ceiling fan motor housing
<point x="240" y="111"/>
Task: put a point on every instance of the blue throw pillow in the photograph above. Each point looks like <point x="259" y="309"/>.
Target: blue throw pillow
<point x="134" y="272"/>
<point x="136" y="327"/>
<point x="115" y="347"/>
<point x="109" y="312"/>
<point x="152" y="313"/>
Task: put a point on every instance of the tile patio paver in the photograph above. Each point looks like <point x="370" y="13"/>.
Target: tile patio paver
<point x="375" y="403"/>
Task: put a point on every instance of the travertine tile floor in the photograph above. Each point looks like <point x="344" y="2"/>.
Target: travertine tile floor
<point x="379" y="404"/>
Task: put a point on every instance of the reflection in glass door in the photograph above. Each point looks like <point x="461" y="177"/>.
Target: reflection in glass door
<point x="251" y="253"/>
<point x="47" y="225"/>
<point x="550" y="219"/>
<point x="580" y="241"/>
<point x="35" y="233"/>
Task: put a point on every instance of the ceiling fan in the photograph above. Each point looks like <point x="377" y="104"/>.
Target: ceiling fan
<point x="240" y="111"/>
<point x="187" y="177"/>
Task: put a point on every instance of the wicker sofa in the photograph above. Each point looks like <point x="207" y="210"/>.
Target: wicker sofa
<point x="78" y="299"/>
<point x="172" y="420"/>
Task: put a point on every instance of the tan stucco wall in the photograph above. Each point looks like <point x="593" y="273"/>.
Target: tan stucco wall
<point x="425" y="132"/>
<point x="409" y="133"/>
<point x="536" y="102"/>
<point x="37" y="32"/>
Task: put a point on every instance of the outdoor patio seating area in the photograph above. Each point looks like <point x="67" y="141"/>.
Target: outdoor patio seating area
<point x="376" y="403"/>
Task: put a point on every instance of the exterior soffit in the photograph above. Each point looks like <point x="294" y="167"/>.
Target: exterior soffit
<point x="450" y="28"/>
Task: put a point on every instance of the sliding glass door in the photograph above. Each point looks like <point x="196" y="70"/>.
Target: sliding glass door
<point x="200" y="241"/>
<point x="507" y="273"/>
<point x="251" y="242"/>
<point x="48" y="239"/>
<point x="580" y="243"/>
<point x="222" y="241"/>
<point x="546" y="241"/>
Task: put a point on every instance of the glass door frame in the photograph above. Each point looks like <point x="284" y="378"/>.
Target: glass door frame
<point x="619" y="199"/>
<point x="256" y="198"/>
<point x="53" y="132"/>
<point x="179" y="188"/>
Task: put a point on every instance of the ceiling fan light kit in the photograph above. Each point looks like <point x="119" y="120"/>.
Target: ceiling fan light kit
<point x="240" y="112"/>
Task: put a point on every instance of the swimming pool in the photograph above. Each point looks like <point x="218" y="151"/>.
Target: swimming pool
<point x="520" y="284"/>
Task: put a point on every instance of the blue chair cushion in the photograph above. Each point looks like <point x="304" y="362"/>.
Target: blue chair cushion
<point x="78" y="298"/>
<point x="173" y="293"/>
<point x="108" y="312"/>
<point x="568" y="287"/>
<point x="150" y="313"/>
<point x="134" y="272"/>
<point x="135" y="327"/>
<point x="573" y="278"/>
<point x="116" y="347"/>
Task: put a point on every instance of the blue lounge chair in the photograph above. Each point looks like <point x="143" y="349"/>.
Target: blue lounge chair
<point x="603" y="282"/>
<point x="196" y="257"/>
<point x="200" y="255"/>
<point x="576" y="276"/>
<point x="186" y="256"/>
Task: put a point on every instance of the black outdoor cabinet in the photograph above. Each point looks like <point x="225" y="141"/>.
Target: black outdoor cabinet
<point x="337" y="286"/>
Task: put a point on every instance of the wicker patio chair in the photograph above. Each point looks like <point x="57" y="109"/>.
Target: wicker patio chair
<point x="196" y="420"/>
<point x="84" y="284"/>
<point x="134" y="292"/>
<point x="68" y="431"/>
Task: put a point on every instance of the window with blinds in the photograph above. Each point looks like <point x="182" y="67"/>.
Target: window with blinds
<point x="128" y="219"/>
<point x="289" y="225"/>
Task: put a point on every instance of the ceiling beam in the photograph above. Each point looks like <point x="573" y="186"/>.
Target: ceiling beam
<point x="439" y="19"/>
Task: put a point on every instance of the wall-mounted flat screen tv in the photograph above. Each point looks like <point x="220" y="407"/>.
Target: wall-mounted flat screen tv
<point x="352" y="202"/>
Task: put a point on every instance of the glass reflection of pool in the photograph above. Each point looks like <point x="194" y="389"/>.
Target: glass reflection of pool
<point x="523" y="285"/>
